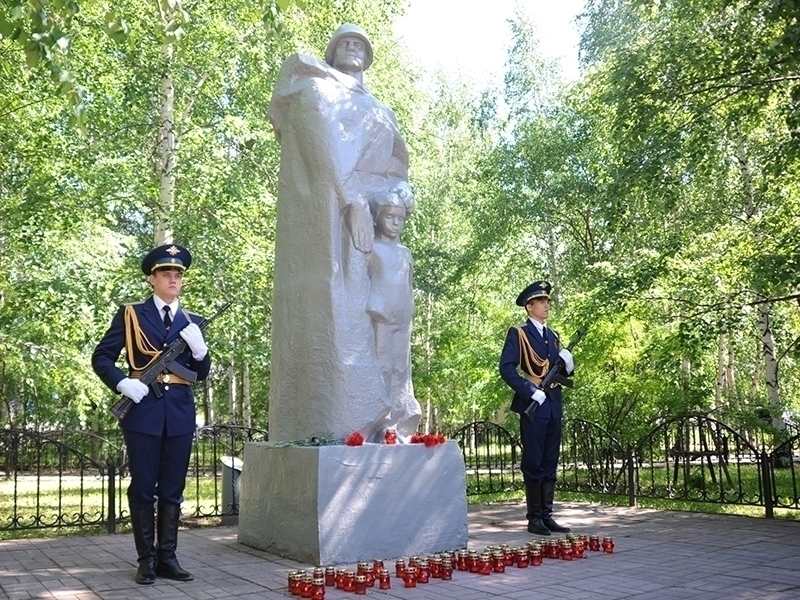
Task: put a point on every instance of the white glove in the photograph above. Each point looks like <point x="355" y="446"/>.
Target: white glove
<point x="133" y="389"/>
<point x="566" y="356"/>
<point x="194" y="339"/>
<point x="539" y="396"/>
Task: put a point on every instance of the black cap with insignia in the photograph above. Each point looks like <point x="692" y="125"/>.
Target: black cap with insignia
<point x="538" y="289"/>
<point x="166" y="256"/>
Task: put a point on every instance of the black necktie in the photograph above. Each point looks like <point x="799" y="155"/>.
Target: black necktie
<point x="544" y="333"/>
<point x="167" y="320"/>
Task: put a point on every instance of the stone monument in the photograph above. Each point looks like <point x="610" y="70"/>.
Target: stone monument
<point x="341" y="314"/>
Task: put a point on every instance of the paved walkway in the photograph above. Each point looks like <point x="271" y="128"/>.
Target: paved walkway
<point x="658" y="555"/>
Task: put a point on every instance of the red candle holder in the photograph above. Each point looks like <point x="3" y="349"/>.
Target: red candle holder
<point x="399" y="567"/>
<point x="330" y="576"/>
<point x="608" y="544"/>
<point x="410" y="577"/>
<point x="306" y="586"/>
<point x="533" y="547"/>
<point x="384" y="581"/>
<point x="473" y="561"/>
<point x="390" y="436"/>
<point x="555" y="549"/>
<point x="436" y="567"/>
<point x="423" y="571"/>
<point x="461" y="561"/>
<point x="350" y="582"/>
<point x="578" y="549"/>
<point x="377" y="565"/>
<point x="341" y="576"/>
<point x="361" y="585"/>
<point x="447" y="572"/>
<point x="498" y="562"/>
<point x="522" y="559"/>
<point x="566" y="551"/>
<point x="594" y="543"/>
<point x="485" y="565"/>
<point x="318" y="588"/>
<point x="294" y="583"/>
<point x="536" y="558"/>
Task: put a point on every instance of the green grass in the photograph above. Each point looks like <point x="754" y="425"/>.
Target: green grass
<point x="697" y="507"/>
<point x="41" y="496"/>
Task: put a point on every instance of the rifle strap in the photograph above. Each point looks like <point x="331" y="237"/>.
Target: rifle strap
<point x="532" y="366"/>
<point x="186" y="314"/>
<point x="135" y="335"/>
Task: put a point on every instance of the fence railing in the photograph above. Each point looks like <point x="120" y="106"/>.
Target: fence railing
<point x="78" y="479"/>
<point x="692" y="458"/>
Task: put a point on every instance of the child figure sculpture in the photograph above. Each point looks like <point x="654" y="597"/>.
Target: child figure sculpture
<point x="391" y="305"/>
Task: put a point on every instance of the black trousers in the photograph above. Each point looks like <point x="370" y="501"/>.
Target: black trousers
<point x="541" y="444"/>
<point x="158" y="466"/>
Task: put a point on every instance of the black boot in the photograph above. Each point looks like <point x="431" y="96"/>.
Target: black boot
<point x="143" y="523"/>
<point x="168" y="518"/>
<point x="548" y="491"/>
<point x="533" y="498"/>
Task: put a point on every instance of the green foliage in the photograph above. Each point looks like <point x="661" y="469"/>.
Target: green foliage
<point x="659" y="194"/>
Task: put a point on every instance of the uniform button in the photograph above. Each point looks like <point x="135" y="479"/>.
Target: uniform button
<point x="166" y="387"/>
<point x="165" y="345"/>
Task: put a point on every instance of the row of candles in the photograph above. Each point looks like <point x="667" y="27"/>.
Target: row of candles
<point x="441" y="566"/>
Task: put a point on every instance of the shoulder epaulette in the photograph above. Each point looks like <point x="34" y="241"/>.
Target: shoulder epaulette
<point x="133" y="303"/>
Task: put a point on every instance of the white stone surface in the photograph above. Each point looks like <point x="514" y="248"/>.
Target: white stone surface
<point x="339" y="146"/>
<point x="333" y="505"/>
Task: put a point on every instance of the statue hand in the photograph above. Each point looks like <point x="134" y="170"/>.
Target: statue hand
<point x="361" y="228"/>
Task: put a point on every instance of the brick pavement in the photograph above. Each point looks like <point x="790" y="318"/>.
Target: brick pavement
<point x="658" y="556"/>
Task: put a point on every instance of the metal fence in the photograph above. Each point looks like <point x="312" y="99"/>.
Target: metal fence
<point x="62" y="480"/>
<point x="690" y="458"/>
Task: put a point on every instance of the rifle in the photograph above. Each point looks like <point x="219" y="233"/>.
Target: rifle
<point x="555" y="375"/>
<point x="165" y="364"/>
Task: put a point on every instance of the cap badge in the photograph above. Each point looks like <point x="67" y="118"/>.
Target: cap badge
<point x="173" y="251"/>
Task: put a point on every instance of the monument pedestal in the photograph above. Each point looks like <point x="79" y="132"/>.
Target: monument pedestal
<point x="329" y="505"/>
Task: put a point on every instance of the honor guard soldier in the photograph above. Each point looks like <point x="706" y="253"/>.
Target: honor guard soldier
<point x="530" y="349"/>
<point x="159" y="428"/>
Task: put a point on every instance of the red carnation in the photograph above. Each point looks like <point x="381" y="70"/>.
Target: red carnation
<point x="417" y="438"/>
<point x="440" y="439"/>
<point x="430" y="440"/>
<point x="354" y="439"/>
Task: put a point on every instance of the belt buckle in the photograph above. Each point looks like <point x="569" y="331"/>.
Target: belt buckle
<point x="166" y="378"/>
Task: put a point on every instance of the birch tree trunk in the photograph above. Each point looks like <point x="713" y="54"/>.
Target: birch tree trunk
<point x="769" y="357"/>
<point x="208" y="403"/>
<point x="770" y="364"/>
<point x="231" y="394"/>
<point x="729" y="370"/>
<point x="247" y="419"/>
<point x="167" y="154"/>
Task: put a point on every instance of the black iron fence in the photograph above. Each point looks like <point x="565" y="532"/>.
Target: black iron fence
<point x="78" y="479"/>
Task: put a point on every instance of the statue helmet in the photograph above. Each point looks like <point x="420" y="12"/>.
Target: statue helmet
<point x="348" y="29"/>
